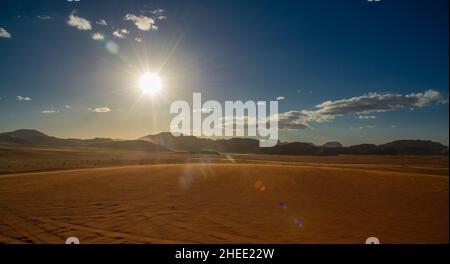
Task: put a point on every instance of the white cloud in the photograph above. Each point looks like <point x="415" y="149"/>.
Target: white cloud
<point x="280" y="98"/>
<point x="44" y="17"/>
<point x="158" y="12"/>
<point x="79" y="22"/>
<point x="424" y="99"/>
<point x="138" y="39"/>
<point x="144" y="23"/>
<point x="98" y="36"/>
<point x="100" y="110"/>
<point x="361" y="105"/>
<point x="49" y="111"/>
<point x="102" y="22"/>
<point x="238" y="122"/>
<point x="293" y="120"/>
<point x="363" y="127"/>
<point x="4" y="33"/>
<point x="68" y="107"/>
<point x="376" y="102"/>
<point x="364" y="117"/>
<point x="23" y="98"/>
<point x="120" y="33"/>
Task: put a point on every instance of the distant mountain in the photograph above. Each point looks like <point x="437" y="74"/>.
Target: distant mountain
<point x="416" y="147"/>
<point x="24" y="134"/>
<point x="202" y="145"/>
<point x="130" y="145"/>
<point x="181" y="143"/>
<point x="167" y="142"/>
<point x="34" y="137"/>
<point x="247" y="145"/>
<point x="400" y="147"/>
<point x="234" y="145"/>
<point x="367" y="149"/>
<point x="6" y="139"/>
<point x="294" y="148"/>
<point x="37" y="138"/>
<point x="332" y="144"/>
<point x="238" y="145"/>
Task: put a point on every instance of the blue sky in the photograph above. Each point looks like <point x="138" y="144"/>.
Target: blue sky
<point x="351" y="70"/>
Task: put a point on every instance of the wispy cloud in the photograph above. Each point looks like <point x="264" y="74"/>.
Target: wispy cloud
<point x="43" y="17"/>
<point x="376" y="102"/>
<point x="363" y="127"/>
<point x="102" y="22"/>
<point x="79" y="22"/>
<point x="49" y="111"/>
<point x="365" y="117"/>
<point x="280" y="98"/>
<point x="293" y="120"/>
<point x="100" y="110"/>
<point x="68" y="107"/>
<point x="23" y="98"/>
<point x="4" y="33"/>
<point x="361" y="105"/>
<point x="158" y="12"/>
<point x="144" y="23"/>
<point x="120" y="33"/>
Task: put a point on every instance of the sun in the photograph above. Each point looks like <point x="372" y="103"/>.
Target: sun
<point x="150" y="83"/>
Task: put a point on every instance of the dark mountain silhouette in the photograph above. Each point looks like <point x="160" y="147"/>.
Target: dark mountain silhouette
<point x="37" y="138"/>
<point x="332" y="144"/>
<point x="294" y="148"/>
<point x="368" y="149"/>
<point x="416" y="147"/>
<point x="247" y="145"/>
<point x="238" y="145"/>
<point x="202" y="145"/>
<point x="34" y="137"/>
<point x="181" y="143"/>
<point x="24" y="134"/>
<point x="6" y="139"/>
<point x="167" y="142"/>
<point x="130" y="145"/>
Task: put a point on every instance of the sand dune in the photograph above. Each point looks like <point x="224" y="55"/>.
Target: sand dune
<point x="224" y="203"/>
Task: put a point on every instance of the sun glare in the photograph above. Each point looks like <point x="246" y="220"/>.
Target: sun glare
<point x="150" y="83"/>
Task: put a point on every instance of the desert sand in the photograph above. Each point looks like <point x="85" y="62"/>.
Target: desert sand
<point x="245" y="199"/>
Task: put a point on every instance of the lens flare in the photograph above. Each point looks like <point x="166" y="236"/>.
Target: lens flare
<point x="297" y="222"/>
<point x="112" y="47"/>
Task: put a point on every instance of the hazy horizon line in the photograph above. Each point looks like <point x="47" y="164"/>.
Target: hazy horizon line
<point x="220" y="138"/>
